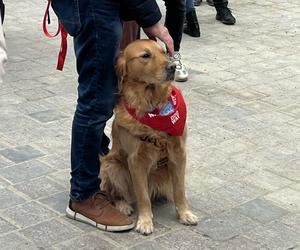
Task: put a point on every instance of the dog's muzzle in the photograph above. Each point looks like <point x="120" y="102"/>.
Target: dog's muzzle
<point x="170" y="71"/>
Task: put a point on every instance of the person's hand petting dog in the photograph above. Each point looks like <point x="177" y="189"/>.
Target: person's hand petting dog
<point x="159" y="31"/>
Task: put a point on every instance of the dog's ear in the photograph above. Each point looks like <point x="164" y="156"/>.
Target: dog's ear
<point x="121" y="67"/>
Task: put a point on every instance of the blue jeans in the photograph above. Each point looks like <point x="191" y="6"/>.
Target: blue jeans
<point x="96" y="46"/>
<point x="189" y="6"/>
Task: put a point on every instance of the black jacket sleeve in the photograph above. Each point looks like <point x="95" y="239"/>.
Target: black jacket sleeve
<point x="145" y="12"/>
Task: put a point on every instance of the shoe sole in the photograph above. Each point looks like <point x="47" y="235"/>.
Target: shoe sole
<point x="79" y="217"/>
<point x="181" y="80"/>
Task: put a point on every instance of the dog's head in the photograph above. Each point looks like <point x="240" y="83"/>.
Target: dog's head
<point x="145" y="61"/>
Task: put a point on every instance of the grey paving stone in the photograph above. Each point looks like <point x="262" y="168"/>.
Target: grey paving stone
<point x="211" y="202"/>
<point x="252" y="160"/>
<point x="21" y="153"/>
<point x="34" y="94"/>
<point x="132" y="237"/>
<point x="57" y="202"/>
<point x="9" y="198"/>
<point x="16" y="242"/>
<point x="275" y="236"/>
<point x="226" y="226"/>
<point x="58" y="161"/>
<point x="261" y="210"/>
<point x="3" y="183"/>
<point x="5" y="226"/>
<point x="257" y="106"/>
<point x="200" y="182"/>
<point x="86" y="242"/>
<point x="235" y="146"/>
<point x="290" y="169"/>
<point x="248" y="95"/>
<point x="53" y="141"/>
<point x="206" y="156"/>
<point x="239" y="243"/>
<point x="266" y="180"/>
<point x="27" y="135"/>
<point x="25" y="171"/>
<point x="148" y="245"/>
<point x="293" y="110"/>
<point x="9" y="111"/>
<point x="292" y="220"/>
<point x="166" y="215"/>
<point x="49" y="233"/>
<point x="40" y="187"/>
<point x="229" y="171"/>
<point x="296" y="187"/>
<point x="184" y="239"/>
<point x="11" y="99"/>
<point x="48" y="115"/>
<point x="4" y="162"/>
<point x="239" y="191"/>
<point x="4" y="142"/>
<point x="28" y="214"/>
<point x="286" y="198"/>
<point x="62" y="177"/>
<point x="210" y="137"/>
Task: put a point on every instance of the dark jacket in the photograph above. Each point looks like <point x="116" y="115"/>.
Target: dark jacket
<point x="145" y="12"/>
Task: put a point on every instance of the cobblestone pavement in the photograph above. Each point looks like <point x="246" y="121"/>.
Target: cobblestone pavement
<point x="243" y="176"/>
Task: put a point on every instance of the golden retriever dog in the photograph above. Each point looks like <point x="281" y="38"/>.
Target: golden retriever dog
<point x="145" y="163"/>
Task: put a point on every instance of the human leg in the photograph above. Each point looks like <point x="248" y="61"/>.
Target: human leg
<point x="191" y="26"/>
<point x="175" y="11"/>
<point x="224" y="14"/>
<point x="96" y="47"/>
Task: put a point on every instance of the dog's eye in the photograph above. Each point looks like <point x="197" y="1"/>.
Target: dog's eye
<point x="146" y="55"/>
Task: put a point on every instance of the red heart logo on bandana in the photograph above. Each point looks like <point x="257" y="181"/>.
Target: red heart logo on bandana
<point x="171" y="118"/>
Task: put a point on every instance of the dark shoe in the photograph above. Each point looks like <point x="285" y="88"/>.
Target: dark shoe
<point x="191" y="25"/>
<point x="197" y="2"/>
<point x="210" y="2"/>
<point x="98" y="212"/>
<point x="225" y="16"/>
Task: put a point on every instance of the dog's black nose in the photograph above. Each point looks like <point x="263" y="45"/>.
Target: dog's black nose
<point x="171" y="67"/>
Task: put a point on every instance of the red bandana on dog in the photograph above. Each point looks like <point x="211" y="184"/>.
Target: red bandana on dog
<point x="170" y="118"/>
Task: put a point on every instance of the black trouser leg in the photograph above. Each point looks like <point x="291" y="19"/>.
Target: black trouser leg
<point x="220" y="3"/>
<point x="175" y="19"/>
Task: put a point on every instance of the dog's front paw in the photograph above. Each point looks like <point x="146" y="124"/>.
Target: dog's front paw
<point x="144" y="226"/>
<point x="124" y="207"/>
<point x="188" y="218"/>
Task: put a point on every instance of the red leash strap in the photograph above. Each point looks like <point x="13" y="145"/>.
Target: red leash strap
<point x="64" y="35"/>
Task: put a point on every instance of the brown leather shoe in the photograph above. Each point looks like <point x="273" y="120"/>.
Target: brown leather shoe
<point x="98" y="211"/>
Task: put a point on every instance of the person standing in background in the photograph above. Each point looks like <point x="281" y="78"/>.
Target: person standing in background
<point x="191" y="25"/>
<point x="175" y="14"/>
<point x="224" y="14"/>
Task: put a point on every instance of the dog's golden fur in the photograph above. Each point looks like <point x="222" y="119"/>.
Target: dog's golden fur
<point x="129" y="172"/>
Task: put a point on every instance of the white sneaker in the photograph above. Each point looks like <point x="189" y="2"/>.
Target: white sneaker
<point x="181" y="74"/>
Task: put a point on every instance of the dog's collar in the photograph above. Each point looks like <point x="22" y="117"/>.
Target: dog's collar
<point x="170" y="119"/>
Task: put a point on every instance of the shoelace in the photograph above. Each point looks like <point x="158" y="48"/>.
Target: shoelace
<point x="177" y="60"/>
